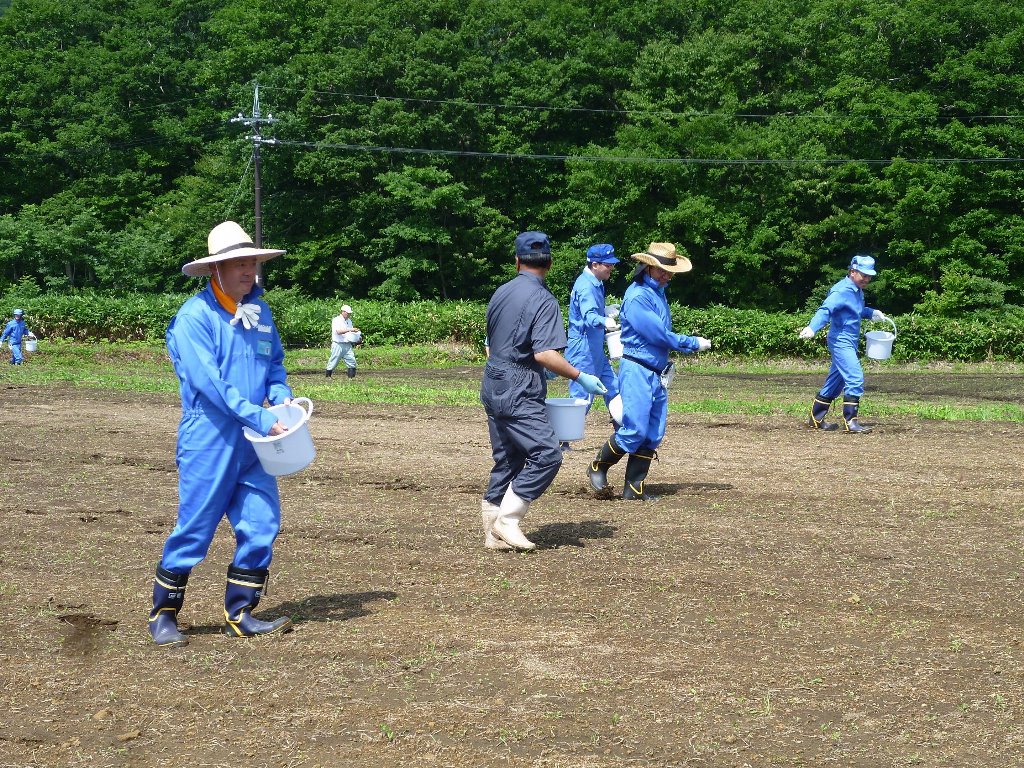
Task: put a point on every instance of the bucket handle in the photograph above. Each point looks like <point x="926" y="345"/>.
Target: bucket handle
<point x="890" y="322"/>
<point x="309" y="409"/>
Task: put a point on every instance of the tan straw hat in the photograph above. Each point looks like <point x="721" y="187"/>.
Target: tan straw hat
<point x="663" y="255"/>
<point x="228" y="241"/>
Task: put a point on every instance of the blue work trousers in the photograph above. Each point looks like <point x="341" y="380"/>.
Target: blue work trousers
<point x="525" y="453"/>
<point x="16" y="355"/>
<point x="644" y="408"/>
<point x="220" y="476"/>
<point x="845" y="372"/>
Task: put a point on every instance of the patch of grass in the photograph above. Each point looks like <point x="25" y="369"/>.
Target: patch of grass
<point x="940" y="412"/>
<point x="710" y="385"/>
<point x="368" y="390"/>
<point x="441" y="356"/>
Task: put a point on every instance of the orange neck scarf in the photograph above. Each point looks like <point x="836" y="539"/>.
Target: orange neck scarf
<point x="229" y="304"/>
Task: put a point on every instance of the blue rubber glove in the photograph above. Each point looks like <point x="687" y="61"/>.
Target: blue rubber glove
<point x="591" y="384"/>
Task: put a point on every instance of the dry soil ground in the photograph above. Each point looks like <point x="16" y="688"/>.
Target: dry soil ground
<point x="794" y="599"/>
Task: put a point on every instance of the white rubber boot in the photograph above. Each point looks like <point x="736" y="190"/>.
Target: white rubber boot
<point x="506" y="527"/>
<point x="489" y="513"/>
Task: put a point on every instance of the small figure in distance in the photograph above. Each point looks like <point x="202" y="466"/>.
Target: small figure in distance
<point x="344" y="336"/>
<point x="842" y="311"/>
<point x="14" y="331"/>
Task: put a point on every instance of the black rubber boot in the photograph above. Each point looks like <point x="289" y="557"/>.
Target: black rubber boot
<point x="819" y="410"/>
<point x="608" y="456"/>
<point x="328" y="374"/>
<point x="637" y="467"/>
<point x="245" y="587"/>
<point x="850" y="407"/>
<point x="168" y="598"/>
<point x="351" y="372"/>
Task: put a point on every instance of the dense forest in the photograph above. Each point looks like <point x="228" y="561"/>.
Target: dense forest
<point x="770" y="139"/>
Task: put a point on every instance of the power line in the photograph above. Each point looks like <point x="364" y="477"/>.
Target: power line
<point x="640" y="112"/>
<point x="238" y="191"/>
<point x="638" y="159"/>
<point x="256" y="122"/>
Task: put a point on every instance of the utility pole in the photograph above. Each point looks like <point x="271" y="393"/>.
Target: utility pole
<point x="255" y="122"/>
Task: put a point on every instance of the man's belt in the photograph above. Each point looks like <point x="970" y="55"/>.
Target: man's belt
<point x="648" y="366"/>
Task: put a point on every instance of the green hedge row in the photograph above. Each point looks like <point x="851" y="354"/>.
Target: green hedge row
<point x="920" y="338"/>
<point x="302" y="322"/>
<point x="306" y="323"/>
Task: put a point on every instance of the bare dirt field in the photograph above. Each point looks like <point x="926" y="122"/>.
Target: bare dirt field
<point x="794" y="599"/>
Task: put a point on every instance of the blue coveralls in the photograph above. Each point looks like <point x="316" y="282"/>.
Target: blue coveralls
<point x="226" y="373"/>
<point x="844" y="308"/>
<point x="586" y="336"/>
<point x="14" y="330"/>
<point x="523" y="318"/>
<point x="646" y="336"/>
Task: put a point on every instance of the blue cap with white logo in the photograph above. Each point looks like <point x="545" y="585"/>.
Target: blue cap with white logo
<point x="864" y="264"/>
<point x="602" y="253"/>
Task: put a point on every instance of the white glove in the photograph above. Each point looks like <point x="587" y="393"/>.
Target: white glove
<point x="703" y="345"/>
<point x="249" y="314"/>
<point x="878" y="316"/>
<point x="807" y="332"/>
<point x="612" y="311"/>
<point x="609" y="324"/>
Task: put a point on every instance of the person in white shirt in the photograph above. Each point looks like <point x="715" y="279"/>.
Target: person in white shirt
<point x="343" y="337"/>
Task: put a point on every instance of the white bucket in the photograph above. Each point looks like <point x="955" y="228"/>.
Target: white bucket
<point x="614" y="342"/>
<point x="31" y="345"/>
<point x="878" y="344"/>
<point x="615" y="409"/>
<point x="567" y="416"/>
<point x="292" y="451"/>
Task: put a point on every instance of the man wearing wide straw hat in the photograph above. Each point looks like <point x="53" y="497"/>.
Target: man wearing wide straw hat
<point x="228" y="356"/>
<point x="647" y="339"/>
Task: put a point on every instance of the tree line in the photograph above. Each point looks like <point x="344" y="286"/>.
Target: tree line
<point x="769" y="139"/>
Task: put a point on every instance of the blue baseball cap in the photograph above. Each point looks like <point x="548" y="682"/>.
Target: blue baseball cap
<point x="19" y="312"/>
<point x="864" y="264"/>
<point x="602" y="253"/>
<point x="530" y="243"/>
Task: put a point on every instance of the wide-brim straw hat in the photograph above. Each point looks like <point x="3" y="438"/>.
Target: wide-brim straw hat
<point x="663" y="255"/>
<point x="228" y="241"/>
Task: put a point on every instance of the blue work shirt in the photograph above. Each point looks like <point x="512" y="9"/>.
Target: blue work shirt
<point x="586" y="322"/>
<point x="14" y="330"/>
<point x="842" y="310"/>
<point x="225" y="370"/>
<point x="647" y="325"/>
